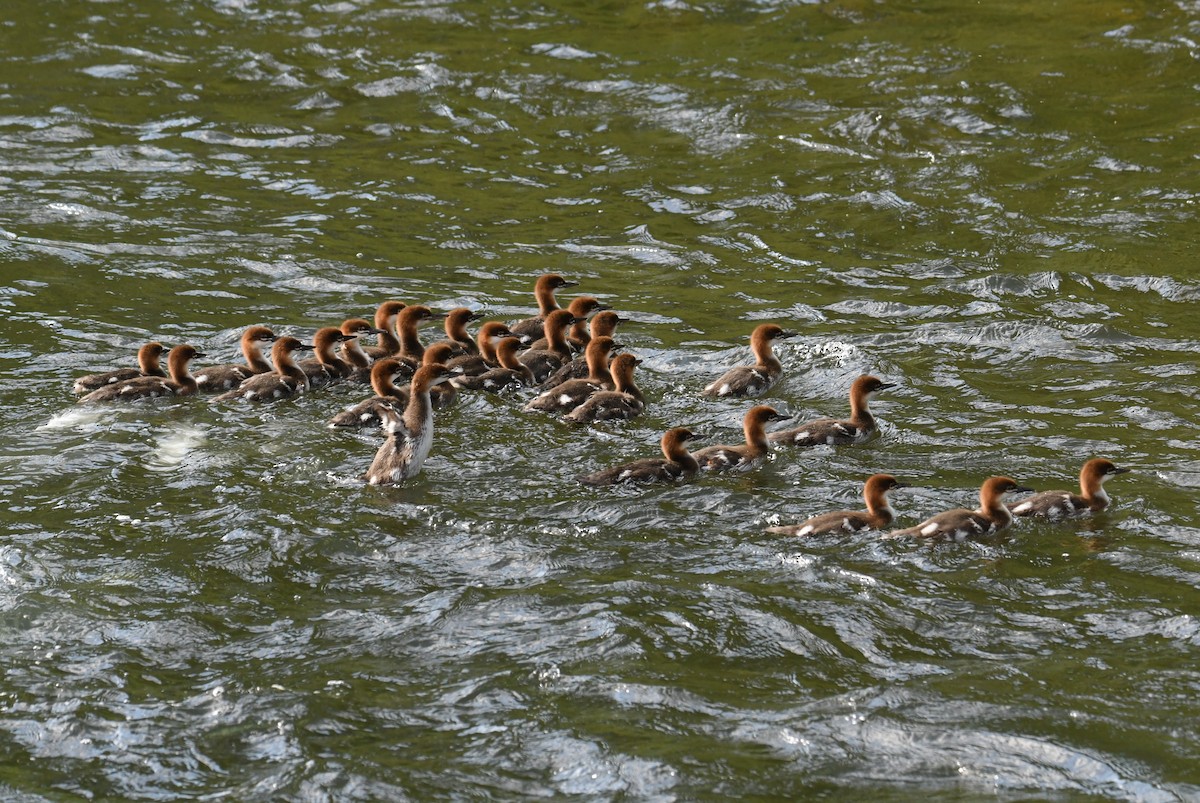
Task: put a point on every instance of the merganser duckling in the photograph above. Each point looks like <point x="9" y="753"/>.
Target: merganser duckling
<point x="580" y="334"/>
<point x="407" y="327"/>
<point x="287" y="379"/>
<point x="180" y="383"/>
<point x="960" y="523"/>
<point x="543" y="290"/>
<point x="511" y="371"/>
<point x="545" y="361"/>
<point x="603" y="324"/>
<point x="574" y="392"/>
<point x="677" y="463"/>
<point x="218" y="378"/>
<point x="456" y="331"/>
<point x="623" y="402"/>
<point x="878" y="514"/>
<point x="352" y="349"/>
<point x="858" y="428"/>
<point x="490" y="334"/>
<point x="148" y="365"/>
<point x="385" y="320"/>
<point x="445" y="394"/>
<point x="721" y="458"/>
<point x="577" y="336"/>
<point x="1063" y="504"/>
<point x="441" y="396"/>
<point x="409" y="436"/>
<point x="328" y="366"/>
<point x="757" y="379"/>
<point x="384" y="374"/>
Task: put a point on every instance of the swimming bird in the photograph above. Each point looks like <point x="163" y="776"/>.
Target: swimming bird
<point x="958" y="524"/>
<point x="385" y="321"/>
<point x="574" y="392"/>
<point x="327" y="366"/>
<point x="1062" y="504"/>
<point x="179" y="383"/>
<point x="543" y="290"/>
<point x="878" y="514"/>
<point x="148" y="365"/>
<point x="545" y="361"/>
<point x="286" y="380"/>
<point x="677" y="463"/>
<point x="408" y="324"/>
<point x="511" y="373"/>
<point x="352" y="349"/>
<point x="623" y="402"/>
<point x="217" y="378"/>
<point x="858" y="428"/>
<point x="409" y="436"/>
<point x="443" y="394"/>
<point x="384" y="374"/>
<point x="456" y="331"/>
<point x="757" y="379"/>
<point x="743" y="456"/>
<point x="488" y="337"/>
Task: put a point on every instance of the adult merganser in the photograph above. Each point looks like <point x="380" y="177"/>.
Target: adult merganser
<point x="572" y="393"/>
<point x="328" y="366"/>
<point x="286" y="380"/>
<point x="543" y="289"/>
<point x="512" y="372"/>
<point x="959" y="524"/>
<point x="385" y="320"/>
<point x="1062" y="504"/>
<point x="409" y="436"/>
<point x="878" y="514"/>
<point x="722" y="458"/>
<point x="180" y="383"/>
<point x="384" y="374"/>
<point x="623" y="402"/>
<point x="757" y="379"/>
<point x="543" y="362"/>
<point x="148" y="365"/>
<point x="677" y="463"/>
<point x="832" y="432"/>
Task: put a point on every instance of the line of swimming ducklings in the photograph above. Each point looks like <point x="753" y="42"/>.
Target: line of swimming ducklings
<point x="596" y="385"/>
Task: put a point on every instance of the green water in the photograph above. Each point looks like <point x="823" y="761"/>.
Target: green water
<point x="991" y="204"/>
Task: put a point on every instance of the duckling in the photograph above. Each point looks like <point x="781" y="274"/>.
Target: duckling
<point x="677" y="463"/>
<point x="757" y="379"/>
<point x="744" y="456"/>
<point x="148" y="365"/>
<point x="878" y="514"/>
<point x="180" y="383"/>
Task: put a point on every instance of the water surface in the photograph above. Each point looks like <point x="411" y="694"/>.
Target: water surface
<point x="992" y="205"/>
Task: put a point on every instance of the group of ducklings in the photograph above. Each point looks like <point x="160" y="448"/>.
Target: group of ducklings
<point x="587" y="388"/>
<point x="992" y="515"/>
<point x="593" y="386"/>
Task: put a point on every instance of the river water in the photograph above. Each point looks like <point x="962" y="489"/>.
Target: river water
<point x="993" y="205"/>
